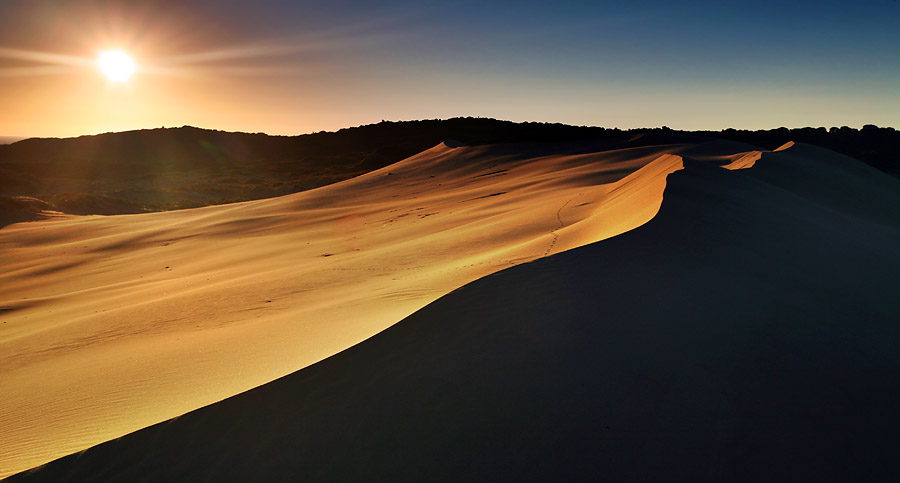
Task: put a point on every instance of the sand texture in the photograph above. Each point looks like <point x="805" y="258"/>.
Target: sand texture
<point x="748" y="331"/>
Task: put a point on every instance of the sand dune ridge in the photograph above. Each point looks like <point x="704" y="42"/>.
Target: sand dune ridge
<point x="115" y="323"/>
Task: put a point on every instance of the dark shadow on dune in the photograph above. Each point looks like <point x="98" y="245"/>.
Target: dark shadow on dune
<point x="12" y="307"/>
<point x="747" y="333"/>
<point x="56" y="268"/>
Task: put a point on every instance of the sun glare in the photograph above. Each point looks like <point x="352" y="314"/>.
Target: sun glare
<point x="116" y="65"/>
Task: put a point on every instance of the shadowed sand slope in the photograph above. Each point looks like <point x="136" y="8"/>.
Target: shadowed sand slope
<point x="747" y="332"/>
<point x="111" y="324"/>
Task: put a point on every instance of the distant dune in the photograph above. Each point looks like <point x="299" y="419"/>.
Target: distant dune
<point x="741" y="326"/>
<point x="15" y="209"/>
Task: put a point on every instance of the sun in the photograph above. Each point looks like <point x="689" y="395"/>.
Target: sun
<point x="116" y="65"/>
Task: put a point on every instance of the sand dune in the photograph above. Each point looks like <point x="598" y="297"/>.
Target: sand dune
<point x="747" y="332"/>
<point x="110" y="324"/>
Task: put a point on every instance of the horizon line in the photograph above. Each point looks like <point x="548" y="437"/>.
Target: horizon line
<point x="384" y="121"/>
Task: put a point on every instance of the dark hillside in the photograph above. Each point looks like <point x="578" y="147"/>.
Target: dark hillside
<point x="172" y="168"/>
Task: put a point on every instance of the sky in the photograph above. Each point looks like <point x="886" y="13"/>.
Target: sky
<point x="293" y="67"/>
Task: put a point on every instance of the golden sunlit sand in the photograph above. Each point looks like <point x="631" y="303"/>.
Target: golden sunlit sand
<point x="704" y="320"/>
<point x="115" y="323"/>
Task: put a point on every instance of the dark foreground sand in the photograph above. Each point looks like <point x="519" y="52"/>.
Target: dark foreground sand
<point x="749" y="331"/>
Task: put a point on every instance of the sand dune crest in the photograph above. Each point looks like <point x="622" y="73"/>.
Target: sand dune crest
<point x="115" y="323"/>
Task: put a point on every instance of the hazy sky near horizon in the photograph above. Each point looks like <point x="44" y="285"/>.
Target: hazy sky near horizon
<point x="291" y="67"/>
